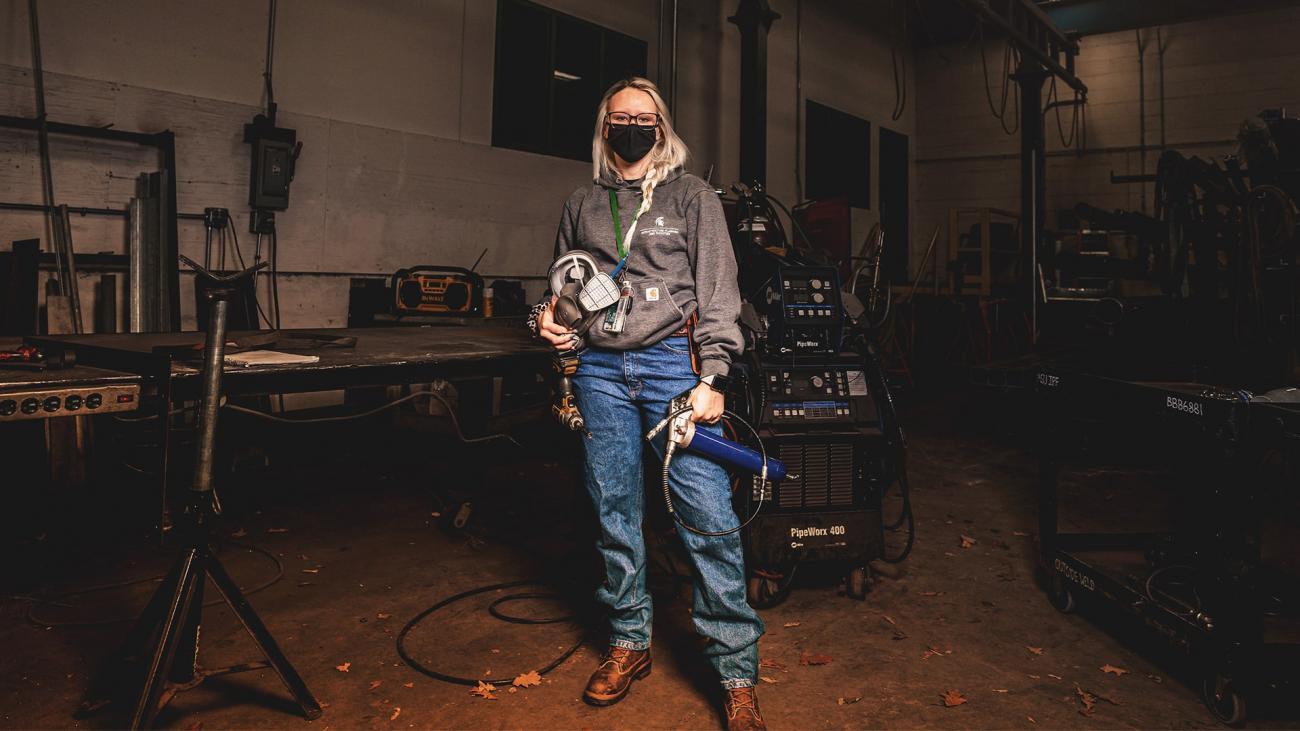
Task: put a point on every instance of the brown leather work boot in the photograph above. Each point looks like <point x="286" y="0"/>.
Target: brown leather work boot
<point x="742" y="710"/>
<point x="613" y="679"/>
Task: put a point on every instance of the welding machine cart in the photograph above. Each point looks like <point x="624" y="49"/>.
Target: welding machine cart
<point x="815" y="403"/>
<point x="1202" y="585"/>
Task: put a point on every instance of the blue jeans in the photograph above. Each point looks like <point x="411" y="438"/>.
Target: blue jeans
<point x="622" y="394"/>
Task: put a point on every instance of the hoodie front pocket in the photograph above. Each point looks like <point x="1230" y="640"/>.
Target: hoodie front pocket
<point x="653" y="311"/>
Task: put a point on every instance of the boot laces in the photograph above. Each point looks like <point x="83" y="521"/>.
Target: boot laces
<point x="742" y="699"/>
<point x="618" y="656"/>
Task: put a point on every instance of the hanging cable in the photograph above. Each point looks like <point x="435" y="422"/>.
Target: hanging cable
<point x="451" y="413"/>
<point x="1010" y="57"/>
<point x="1054" y="102"/>
<point x="898" y="56"/>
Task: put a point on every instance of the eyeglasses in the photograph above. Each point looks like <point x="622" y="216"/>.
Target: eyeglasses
<point x="648" y="119"/>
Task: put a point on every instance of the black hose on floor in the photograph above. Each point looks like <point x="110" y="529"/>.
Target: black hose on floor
<point x="492" y="609"/>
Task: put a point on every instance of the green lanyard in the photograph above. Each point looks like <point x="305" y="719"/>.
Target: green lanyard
<point x="618" y="232"/>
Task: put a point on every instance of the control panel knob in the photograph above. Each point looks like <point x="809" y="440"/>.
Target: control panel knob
<point x="817" y="381"/>
<point x="52" y="403"/>
<point x="818" y="297"/>
<point x="94" y="400"/>
<point x="8" y="407"/>
<point x="30" y="405"/>
<point x="72" y="402"/>
<point x="815" y="283"/>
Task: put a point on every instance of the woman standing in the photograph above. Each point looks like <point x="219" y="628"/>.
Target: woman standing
<point x="667" y="229"/>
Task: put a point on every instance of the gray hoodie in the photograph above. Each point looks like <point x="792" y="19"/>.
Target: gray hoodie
<point x="680" y="262"/>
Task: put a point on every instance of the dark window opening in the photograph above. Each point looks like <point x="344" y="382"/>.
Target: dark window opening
<point x="551" y="69"/>
<point x="838" y="149"/>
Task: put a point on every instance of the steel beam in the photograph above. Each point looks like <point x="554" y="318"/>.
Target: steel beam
<point x="1034" y="34"/>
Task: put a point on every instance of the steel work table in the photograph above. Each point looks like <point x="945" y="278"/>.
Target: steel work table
<point x="382" y="356"/>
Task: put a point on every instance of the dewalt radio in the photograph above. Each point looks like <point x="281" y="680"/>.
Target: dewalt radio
<point x="437" y="290"/>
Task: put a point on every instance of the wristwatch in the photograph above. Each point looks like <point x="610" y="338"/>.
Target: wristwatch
<point x="717" y="381"/>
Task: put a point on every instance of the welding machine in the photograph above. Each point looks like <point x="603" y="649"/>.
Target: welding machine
<point x="815" y="390"/>
<point x="821" y="420"/>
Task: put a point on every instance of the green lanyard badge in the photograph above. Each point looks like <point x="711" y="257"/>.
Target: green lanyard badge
<point x="619" y="242"/>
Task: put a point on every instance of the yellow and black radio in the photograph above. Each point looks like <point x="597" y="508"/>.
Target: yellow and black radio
<point x="437" y="290"/>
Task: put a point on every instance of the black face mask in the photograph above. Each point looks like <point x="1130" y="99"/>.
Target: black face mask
<point x="631" y="141"/>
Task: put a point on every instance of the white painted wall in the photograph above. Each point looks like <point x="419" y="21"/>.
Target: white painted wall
<point x="1217" y="73"/>
<point x="393" y="102"/>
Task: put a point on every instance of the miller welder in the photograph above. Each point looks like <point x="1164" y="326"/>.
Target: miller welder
<point x="812" y="385"/>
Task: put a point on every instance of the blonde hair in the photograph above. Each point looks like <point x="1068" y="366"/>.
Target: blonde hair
<point x="668" y="153"/>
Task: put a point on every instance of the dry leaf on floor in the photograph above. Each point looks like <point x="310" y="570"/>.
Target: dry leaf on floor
<point x="397" y="711"/>
<point x="812" y="658"/>
<point x="527" y="680"/>
<point x="375" y="684"/>
<point x="1001" y="690"/>
<point x="932" y="652"/>
<point x="311" y="571"/>
<point x="953" y="698"/>
<point x="343" y="668"/>
<point x="768" y="662"/>
<point x="1054" y="675"/>
<point x="1020" y="533"/>
<point x="847" y="701"/>
<point x="383" y="615"/>
<point x="277" y="530"/>
<point x="931" y="593"/>
<point x="766" y="679"/>
<point x="1035" y="650"/>
<point x="1031" y="719"/>
<point x="512" y="689"/>
<point x="408" y="685"/>
<point x="792" y="624"/>
<point x="1088" y="700"/>
<point x="889" y="619"/>
<point x="239" y="533"/>
<point x="484" y="690"/>
<point x="967" y="541"/>
<point x="1108" y="668"/>
<point x="1156" y="678"/>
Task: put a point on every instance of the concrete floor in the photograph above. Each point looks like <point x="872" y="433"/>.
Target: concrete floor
<point x="362" y="553"/>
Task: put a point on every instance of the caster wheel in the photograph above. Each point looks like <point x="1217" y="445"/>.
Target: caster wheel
<point x="1062" y="595"/>
<point x="1227" y="705"/>
<point x="765" y="592"/>
<point x="857" y="583"/>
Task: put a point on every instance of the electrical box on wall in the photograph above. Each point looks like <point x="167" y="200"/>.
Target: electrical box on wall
<point x="275" y="152"/>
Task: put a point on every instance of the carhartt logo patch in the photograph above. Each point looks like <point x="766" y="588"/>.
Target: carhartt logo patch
<point x="651" y="294"/>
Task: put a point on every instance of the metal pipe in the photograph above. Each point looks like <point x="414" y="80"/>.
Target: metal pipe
<point x="1030" y="76"/>
<point x="72" y="287"/>
<point x="1114" y="149"/>
<point x="43" y="138"/>
<point x="672" y="90"/>
<point x="135" y="280"/>
<point x="1142" y="111"/>
<point x="798" y="98"/>
<point x="84" y="211"/>
<point x="1160" y="50"/>
<point x="214" y="358"/>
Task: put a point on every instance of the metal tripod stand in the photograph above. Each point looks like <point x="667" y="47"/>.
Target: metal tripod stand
<point x="165" y="638"/>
